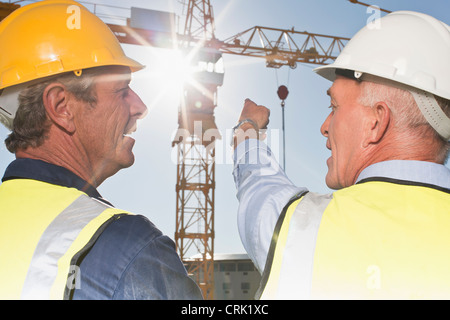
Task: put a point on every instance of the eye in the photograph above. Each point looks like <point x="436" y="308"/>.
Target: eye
<point x="124" y="92"/>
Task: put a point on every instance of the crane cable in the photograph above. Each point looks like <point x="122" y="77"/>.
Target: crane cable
<point x="283" y="92"/>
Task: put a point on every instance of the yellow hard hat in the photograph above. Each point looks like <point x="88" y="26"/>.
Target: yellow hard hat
<point x="55" y="36"/>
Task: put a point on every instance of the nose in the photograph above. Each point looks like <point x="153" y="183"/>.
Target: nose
<point x="138" y="108"/>
<point x="324" y="127"/>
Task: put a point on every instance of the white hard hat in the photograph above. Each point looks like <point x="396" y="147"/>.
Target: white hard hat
<point x="407" y="47"/>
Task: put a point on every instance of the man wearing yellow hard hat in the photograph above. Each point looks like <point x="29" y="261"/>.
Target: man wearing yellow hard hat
<point x="384" y="232"/>
<point x="65" y="96"/>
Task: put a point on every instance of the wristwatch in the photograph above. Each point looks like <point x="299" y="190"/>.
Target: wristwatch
<point x="253" y="123"/>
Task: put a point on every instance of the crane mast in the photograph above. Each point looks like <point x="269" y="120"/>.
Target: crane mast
<point x="196" y="166"/>
<point x="199" y="23"/>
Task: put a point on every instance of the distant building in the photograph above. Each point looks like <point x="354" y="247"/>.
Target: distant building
<point x="235" y="277"/>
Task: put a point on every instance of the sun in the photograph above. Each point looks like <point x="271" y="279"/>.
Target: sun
<point x="172" y="73"/>
<point x="173" y="70"/>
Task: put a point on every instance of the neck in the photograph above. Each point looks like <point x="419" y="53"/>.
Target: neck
<point x="412" y="148"/>
<point x="64" y="155"/>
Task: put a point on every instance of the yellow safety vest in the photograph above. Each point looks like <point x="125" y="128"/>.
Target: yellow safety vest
<point x="45" y="230"/>
<point x="374" y="240"/>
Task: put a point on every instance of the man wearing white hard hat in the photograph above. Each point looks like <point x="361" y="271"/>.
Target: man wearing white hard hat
<point x="383" y="234"/>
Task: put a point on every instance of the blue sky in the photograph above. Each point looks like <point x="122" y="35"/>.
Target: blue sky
<point x="148" y="187"/>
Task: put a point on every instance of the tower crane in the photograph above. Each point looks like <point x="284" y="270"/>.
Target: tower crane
<point x="195" y="167"/>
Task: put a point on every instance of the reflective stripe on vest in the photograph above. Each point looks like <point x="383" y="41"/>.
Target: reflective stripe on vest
<point x="374" y="240"/>
<point x="48" y="235"/>
<point x="299" y="224"/>
<point x="55" y="245"/>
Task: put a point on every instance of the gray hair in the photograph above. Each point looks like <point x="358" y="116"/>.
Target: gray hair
<point x="31" y="122"/>
<point x="407" y="117"/>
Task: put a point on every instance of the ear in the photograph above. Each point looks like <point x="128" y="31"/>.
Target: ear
<point x="378" y="123"/>
<point x="56" y="102"/>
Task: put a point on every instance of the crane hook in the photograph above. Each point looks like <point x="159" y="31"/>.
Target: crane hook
<point x="282" y="94"/>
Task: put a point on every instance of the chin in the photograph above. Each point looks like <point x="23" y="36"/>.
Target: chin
<point x="128" y="162"/>
<point x="121" y="163"/>
<point x="125" y="157"/>
<point x="331" y="183"/>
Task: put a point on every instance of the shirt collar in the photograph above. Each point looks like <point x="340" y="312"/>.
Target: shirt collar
<point x="409" y="170"/>
<point x="43" y="171"/>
